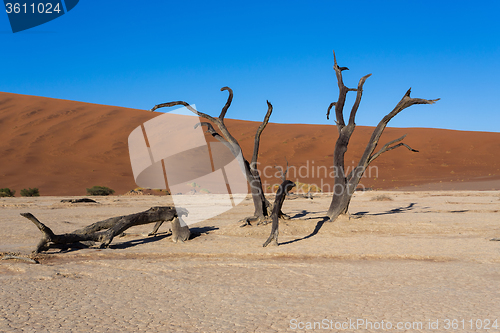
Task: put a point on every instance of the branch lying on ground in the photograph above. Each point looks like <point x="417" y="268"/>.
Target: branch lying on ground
<point x="102" y="232"/>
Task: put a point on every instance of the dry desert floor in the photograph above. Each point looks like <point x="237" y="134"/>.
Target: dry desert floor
<point x="404" y="262"/>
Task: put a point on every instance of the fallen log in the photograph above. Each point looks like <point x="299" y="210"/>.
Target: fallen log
<point x="101" y="233"/>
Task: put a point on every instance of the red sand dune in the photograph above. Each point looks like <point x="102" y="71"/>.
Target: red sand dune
<point x="63" y="147"/>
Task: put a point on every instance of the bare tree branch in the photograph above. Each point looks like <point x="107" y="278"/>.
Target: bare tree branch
<point x="343" y="90"/>
<point x="218" y="121"/>
<point x="228" y="103"/>
<point x="386" y="148"/>
<point x="339" y="105"/>
<point x="358" y="99"/>
<point x="220" y="138"/>
<point x="329" y="108"/>
<point x="170" y="104"/>
<point x="260" y="202"/>
<point x="283" y="174"/>
<point x="42" y="227"/>
<point x="404" y="103"/>
<point x="258" y="133"/>
<point x="210" y="130"/>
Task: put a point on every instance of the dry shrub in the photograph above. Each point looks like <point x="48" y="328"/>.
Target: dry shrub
<point x="382" y="197"/>
<point x="306" y="188"/>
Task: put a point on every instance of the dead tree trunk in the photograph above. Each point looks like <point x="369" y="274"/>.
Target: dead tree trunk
<point x="283" y="190"/>
<point x="345" y="185"/>
<point x="261" y="204"/>
<point x="102" y="232"/>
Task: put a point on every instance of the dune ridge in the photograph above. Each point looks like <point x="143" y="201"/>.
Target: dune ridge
<point x="63" y="147"/>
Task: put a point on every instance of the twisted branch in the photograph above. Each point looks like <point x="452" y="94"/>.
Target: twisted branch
<point x="217" y="136"/>
<point x="228" y="103"/>
<point x="329" y="108"/>
<point x="358" y="99"/>
<point x="258" y="133"/>
<point x="339" y="105"/>
<point x="283" y="174"/>
<point x="260" y="202"/>
<point x="404" y="103"/>
<point x="386" y="148"/>
<point x="190" y="108"/>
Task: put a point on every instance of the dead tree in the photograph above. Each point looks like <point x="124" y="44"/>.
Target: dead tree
<point x="261" y="204"/>
<point x="103" y="232"/>
<point x="281" y="194"/>
<point x="345" y="185"/>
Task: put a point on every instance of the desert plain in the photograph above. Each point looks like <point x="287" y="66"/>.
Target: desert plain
<point x="404" y="258"/>
<point x="415" y="255"/>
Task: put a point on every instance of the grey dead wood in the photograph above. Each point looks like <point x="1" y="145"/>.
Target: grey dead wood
<point x="179" y="232"/>
<point x="32" y="261"/>
<point x="101" y="233"/>
<point x="276" y="214"/>
<point x="346" y="184"/>
<point x="261" y="204"/>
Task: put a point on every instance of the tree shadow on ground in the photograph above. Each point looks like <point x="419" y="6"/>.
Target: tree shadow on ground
<point x="411" y="206"/>
<point x="324" y="219"/>
<point x="300" y="214"/>
<point x="304" y="213"/>
<point x="315" y="231"/>
<point x="140" y="241"/>
<point x="195" y="232"/>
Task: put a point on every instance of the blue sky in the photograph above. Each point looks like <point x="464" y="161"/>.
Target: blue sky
<point x="138" y="54"/>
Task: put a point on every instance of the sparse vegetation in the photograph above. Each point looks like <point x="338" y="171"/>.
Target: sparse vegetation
<point x="100" y="190"/>
<point x="147" y="191"/>
<point x="306" y="188"/>
<point x="382" y="197"/>
<point x="300" y="188"/>
<point x="30" y="192"/>
<point x="6" y="192"/>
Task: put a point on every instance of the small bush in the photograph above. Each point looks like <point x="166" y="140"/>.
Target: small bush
<point x="382" y="197"/>
<point x="100" y="190"/>
<point x="6" y="192"/>
<point x="31" y="192"/>
<point x="303" y="188"/>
